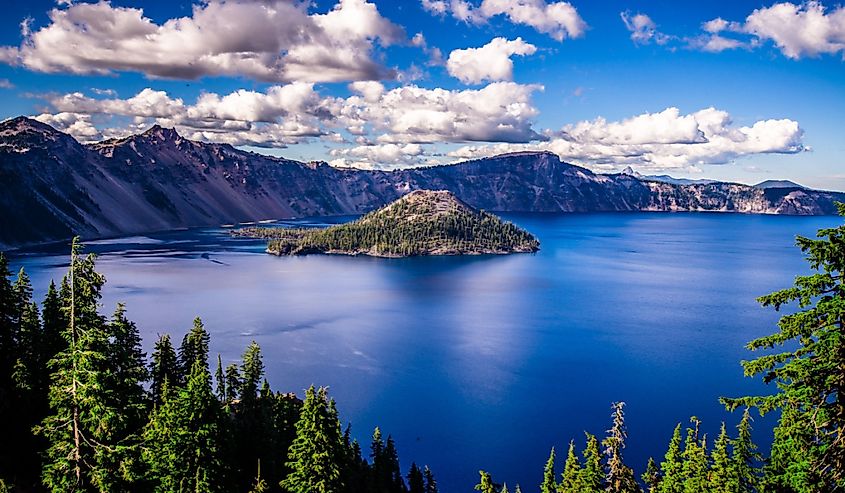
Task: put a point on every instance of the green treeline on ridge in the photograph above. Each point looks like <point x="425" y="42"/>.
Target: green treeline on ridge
<point x="420" y="223"/>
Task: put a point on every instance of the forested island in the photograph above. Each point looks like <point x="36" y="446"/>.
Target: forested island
<point x="82" y="410"/>
<point x="423" y="222"/>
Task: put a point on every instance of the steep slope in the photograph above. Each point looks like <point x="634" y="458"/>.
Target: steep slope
<point x="53" y="187"/>
<point x="423" y="222"/>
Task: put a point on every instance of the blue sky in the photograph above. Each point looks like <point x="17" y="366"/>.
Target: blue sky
<point x="584" y="83"/>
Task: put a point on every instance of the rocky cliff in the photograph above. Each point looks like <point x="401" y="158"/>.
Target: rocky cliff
<point x="54" y="187"/>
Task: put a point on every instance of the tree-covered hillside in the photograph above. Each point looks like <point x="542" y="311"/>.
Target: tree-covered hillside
<point x="420" y="223"/>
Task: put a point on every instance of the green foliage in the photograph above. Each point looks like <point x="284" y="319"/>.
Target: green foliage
<point x="695" y="465"/>
<point x="184" y="436"/>
<point x="651" y="477"/>
<point x="485" y="484"/>
<point x="194" y="347"/>
<point x="316" y="454"/>
<point x="592" y="475"/>
<point x="570" y="481"/>
<point x="165" y="370"/>
<point x="808" y="453"/>
<point x="743" y="474"/>
<point x="416" y="482"/>
<point x="671" y="469"/>
<point x="549" y="485"/>
<point x="720" y="469"/>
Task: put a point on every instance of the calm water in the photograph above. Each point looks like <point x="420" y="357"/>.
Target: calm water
<point x="483" y="362"/>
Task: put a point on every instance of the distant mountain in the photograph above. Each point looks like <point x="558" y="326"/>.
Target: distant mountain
<point x="779" y="184"/>
<point x="423" y="222"/>
<point x="666" y="178"/>
<point x="54" y="187"/>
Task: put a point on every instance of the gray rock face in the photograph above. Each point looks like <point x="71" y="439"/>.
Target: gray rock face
<point x="54" y="187"/>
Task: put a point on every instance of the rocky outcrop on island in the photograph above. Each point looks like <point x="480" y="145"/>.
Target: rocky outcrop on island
<point x="423" y="222"/>
<point x="53" y="187"/>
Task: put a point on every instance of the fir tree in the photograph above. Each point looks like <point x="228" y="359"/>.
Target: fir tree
<point x="619" y="478"/>
<point x="416" y="483"/>
<point x="809" y="376"/>
<point x="721" y="468"/>
<point x="485" y="484"/>
<point x="549" y="485"/>
<point x="316" y="453"/>
<point x="672" y="466"/>
<point x="431" y="482"/>
<point x="233" y="382"/>
<point x="651" y="477"/>
<point x="81" y="406"/>
<point x="570" y="481"/>
<point x="592" y="475"/>
<point x="742" y="477"/>
<point x="183" y="438"/>
<point x="694" y="468"/>
<point x="54" y="324"/>
<point x="252" y="369"/>
<point x="8" y="358"/>
<point x="165" y="369"/>
<point x="220" y="380"/>
<point x="194" y="347"/>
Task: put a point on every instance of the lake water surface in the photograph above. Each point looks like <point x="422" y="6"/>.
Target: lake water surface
<point x="482" y="362"/>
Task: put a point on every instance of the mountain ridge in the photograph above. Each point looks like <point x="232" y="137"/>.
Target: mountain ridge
<point x="55" y="187"/>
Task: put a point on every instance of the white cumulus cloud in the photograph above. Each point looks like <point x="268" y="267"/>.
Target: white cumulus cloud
<point x="273" y="40"/>
<point x="491" y="62"/>
<point x="560" y="20"/>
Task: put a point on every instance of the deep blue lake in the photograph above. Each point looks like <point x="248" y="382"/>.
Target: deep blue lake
<point x="483" y="362"/>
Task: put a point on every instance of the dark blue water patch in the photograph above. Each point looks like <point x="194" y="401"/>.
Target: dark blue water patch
<point x="488" y="361"/>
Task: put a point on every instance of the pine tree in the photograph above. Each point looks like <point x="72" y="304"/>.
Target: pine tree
<point x="416" y="483"/>
<point x="431" y="482"/>
<point x="233" y="382"/>
<point x="549" y="485"/>
<point x="183" y="438"/>
<point x="165" y="369"/>
<point x="592" y="475"/>
<point x="127" y="373"/>
<point x="391" y="465"/>
<point x="672" y="466"/>
<point x="194" y="347"/>
<point x="742" y="477"/>
<point x="570" y="481"/>
<point x="316" y="453"/>
<point x="80" y="405"/>
<point x="485" y="485"/>
<point x="810" y="375"/>
<point x="54" y="325"/>
<point x="619" y="478"/>
<point x="720" y="468"/>
<point x="220" y="380"/>
<point x="252" y="369"/>
<point x="694" y="468"/>
<point x="651" y="477"/>
<point x="8" y="358"/>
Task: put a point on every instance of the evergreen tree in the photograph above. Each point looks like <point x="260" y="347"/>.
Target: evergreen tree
<point x="220" y="380"/>
<point x="430" y="482"/>
<point x="619" y="478"/>
<point x="485" y="485"/>
<point x="81" y="404"/>
<point x="570" y="481"/>
<point x="742" y="477"/>
<point x="672" y="466"/>
<point x="252" y="369"/>
<point x="592" y="475"/>
<point x="183" y="438"/>
<point x="165" y="369"/>
<point x="809" y="376"/>
<point x="651" y="477"/>
<point x="549" y="485"/>
<point x="233" y="382"/>
<point x="694" y="468"/>
<point x="54" y="325"/>
<point x="8" y="358"/>
<point x="194" y="347"/>
<point x="416" y="483"/>
<point x="316" y="453"/>
<point x="721" y="468"/>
